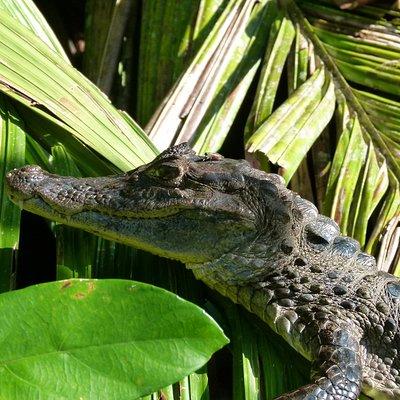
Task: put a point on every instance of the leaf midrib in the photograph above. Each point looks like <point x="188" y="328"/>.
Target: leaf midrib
<point x="4" y="363"/>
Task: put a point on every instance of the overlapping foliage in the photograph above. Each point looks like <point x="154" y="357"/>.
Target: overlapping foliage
<point x="302" y="88"/>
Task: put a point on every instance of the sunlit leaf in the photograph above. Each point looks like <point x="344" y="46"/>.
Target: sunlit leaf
<point x="12" y="155"/>
<point x="291" y="130"/>
<point x="99" y="339"/>
<point x="203" y="104"/>
<point x="371" y="187"/>
<point x="51" y="83"/>
<point x="281" y="36"/>
<point x="27" y="14"/>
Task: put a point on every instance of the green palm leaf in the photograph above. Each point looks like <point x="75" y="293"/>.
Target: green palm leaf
<point x="364" y="153"/>
<point x="28" y="15"/>
<point x="12" y="154"/>
<point x="69" y="99"/>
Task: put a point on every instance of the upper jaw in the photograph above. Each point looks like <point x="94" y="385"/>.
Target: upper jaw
<point x="119" y="195"/>
<point x="67" y="195"/>
<point x="21" y="183"/>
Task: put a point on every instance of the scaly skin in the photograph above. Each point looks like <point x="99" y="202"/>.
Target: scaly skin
<point x="247" y="236"/>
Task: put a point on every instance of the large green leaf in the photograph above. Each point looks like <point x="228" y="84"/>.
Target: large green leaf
<point x="93" y="339"/>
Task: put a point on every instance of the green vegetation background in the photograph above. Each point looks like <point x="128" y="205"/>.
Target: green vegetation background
<point x="301" y="88"/>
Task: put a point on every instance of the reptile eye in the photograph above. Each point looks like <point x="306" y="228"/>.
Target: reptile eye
<point x="165" y="172"/>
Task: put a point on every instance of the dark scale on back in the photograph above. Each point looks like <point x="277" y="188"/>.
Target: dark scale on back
<point x="247" y="236"/>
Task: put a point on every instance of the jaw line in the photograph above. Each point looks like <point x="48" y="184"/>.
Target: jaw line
<point x="111" y="227"/>
<point x="136" y="230"/>
<point x="38" y="205"/>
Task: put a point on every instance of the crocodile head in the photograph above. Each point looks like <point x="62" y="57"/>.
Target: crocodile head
<point x="181" y="205"/>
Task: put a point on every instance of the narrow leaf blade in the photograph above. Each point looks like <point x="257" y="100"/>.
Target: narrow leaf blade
<point x="31" y="71"/>
<point x="12" y="155"/>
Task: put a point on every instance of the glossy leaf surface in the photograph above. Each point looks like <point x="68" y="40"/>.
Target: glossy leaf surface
<point x="110" y="339"/>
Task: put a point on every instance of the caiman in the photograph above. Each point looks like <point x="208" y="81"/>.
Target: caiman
<point x="244" y="234"/>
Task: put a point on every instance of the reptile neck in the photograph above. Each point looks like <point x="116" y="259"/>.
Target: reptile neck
<point x="248" y="277"/>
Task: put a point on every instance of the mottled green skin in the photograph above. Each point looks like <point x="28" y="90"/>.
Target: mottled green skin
<point x="247" y="236"/>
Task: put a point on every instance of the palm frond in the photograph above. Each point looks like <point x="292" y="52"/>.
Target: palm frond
<point x="28" y="15"/>
<point x="204" y="102"/>
<point x="52" y="88"/>
<point x="12" y="154"/>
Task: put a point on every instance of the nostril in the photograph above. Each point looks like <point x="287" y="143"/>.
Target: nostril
<point x="11" y="177"/>
<point x="22" y="182"/>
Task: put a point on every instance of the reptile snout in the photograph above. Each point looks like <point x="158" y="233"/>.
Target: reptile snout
<point x="22" y="182"/>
